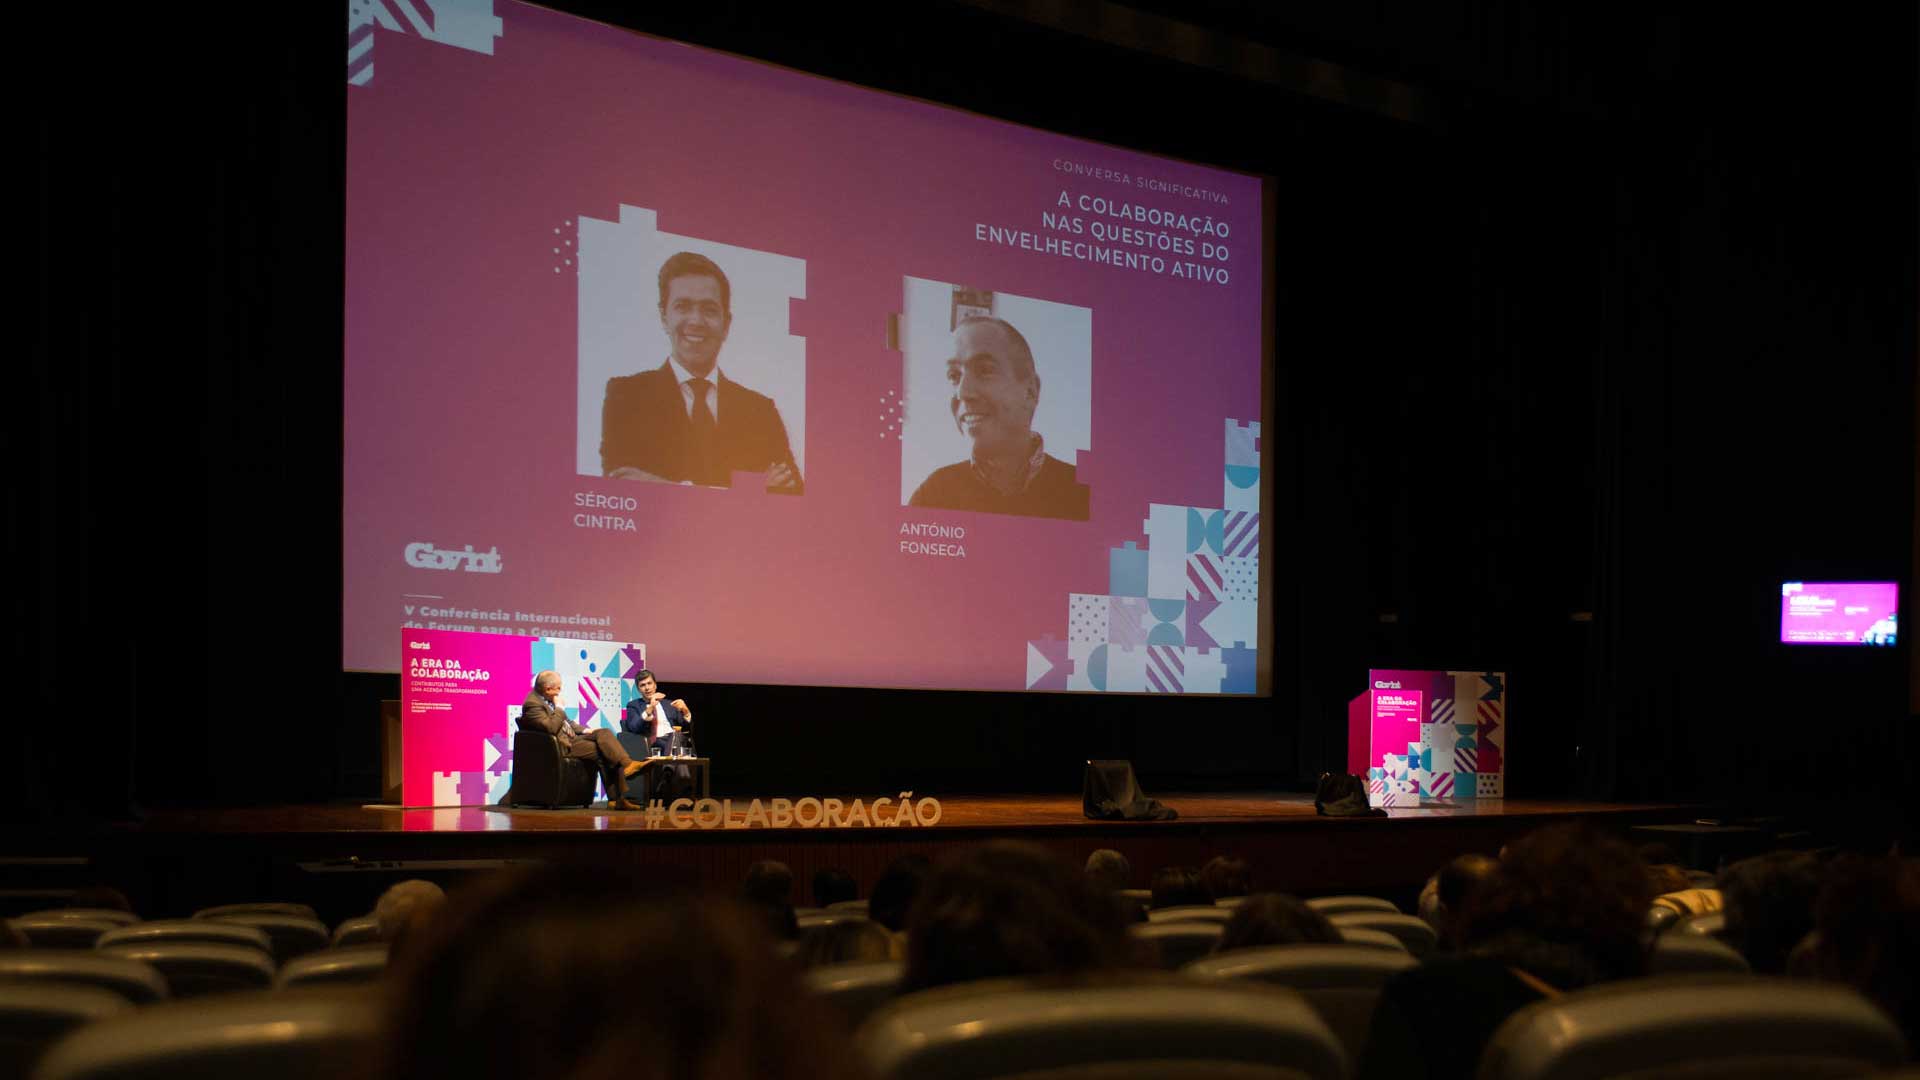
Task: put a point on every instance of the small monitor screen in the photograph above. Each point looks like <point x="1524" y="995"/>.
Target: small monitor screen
<point x="1839" y="612"/>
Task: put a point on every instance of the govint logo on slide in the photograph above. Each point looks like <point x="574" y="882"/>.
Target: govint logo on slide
<point x="425" y="556"/>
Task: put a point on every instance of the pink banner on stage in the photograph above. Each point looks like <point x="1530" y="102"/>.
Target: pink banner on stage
<point x="460" y="698"/>
<point x="1429" y="736"/>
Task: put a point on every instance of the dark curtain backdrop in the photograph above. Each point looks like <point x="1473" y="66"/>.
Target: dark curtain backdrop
<point x="1571" y="371"/>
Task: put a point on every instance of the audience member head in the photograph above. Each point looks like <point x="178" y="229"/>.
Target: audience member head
<point x="893" y="894"/>
<point x="831" y="885"/>
<point x="1225" y="875"/>
<point x="1009" y="908"/>
<point x="404" y="907"/>
<point x="1108" y="870"/>
<point x="849" y="941"/>
<point x="526" y="977"/>
<point x="1659" y="853"/>
<point x="1174" y="886"/>
<point x="1665" y="878"/>
<point x="11" y="937"/>
<point x="769" y="894"/>
<point x="769" y="881"/>
<point x="1868" y="916"/>
<point x="1567" y="904"/>
<point x="1276" y="919"/>
<point x="1768" y="901"/>
<point x="1450" y="890"/>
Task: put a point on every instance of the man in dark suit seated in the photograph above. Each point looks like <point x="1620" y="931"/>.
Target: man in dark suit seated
<point x="665" y="725"/>
<point x="685" y="421"/>
<point x="542" y="712"/>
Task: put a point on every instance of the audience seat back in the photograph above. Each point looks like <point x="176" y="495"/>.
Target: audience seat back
<point x="1711" y="924"/>
<point x="856" y="990"/>
<point x="134" y="980"/>
<point x="97" y="914"/>
<point x="1704" y="1028"/>
<point x="263" y="907"/>
<point x="1661" y="919"/>
<point x="54" y="932"/>
<point x="296" y="1035"/>
<point x="1190" y="913"/>
<point x="35" y="1015"/>
<point x="289" y="935"/>
<point x="1679" y="952"/>
<point x="1341" y="982"/>
<point x="194" y="968"/>
<point x="1414" y="932"/>
<point x="349" y="964"/>
<point x="1372" y="939"/>
<point x="1341" y="905"/>
<point x="1013" y="1027"/>
<point x="858" y="907"/>
<point x="210" y="931"/>
<point x="360" y="930"/>
<point x="1176" y="944"/>
<point x="828" y="918"/>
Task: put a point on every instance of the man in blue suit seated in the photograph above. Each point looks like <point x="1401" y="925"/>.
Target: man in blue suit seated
<point x="665" y="725"/>
<point x="685" y="421"/>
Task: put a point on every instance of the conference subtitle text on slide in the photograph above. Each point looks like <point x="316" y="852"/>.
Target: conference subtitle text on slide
<point x="1126" y="235"/>
<point x="502" y="621"/>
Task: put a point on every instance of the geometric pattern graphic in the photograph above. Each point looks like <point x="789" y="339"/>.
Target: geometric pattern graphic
<point x="1087" y="617"/>
<point x="1127" y="621"/>
<point x="1222" y="577"/>
<point x="1206" y="578"/>
<point x="463" y="24"/>
<point x="1166" y="669"/>
<point x="1181" y="612"/>
<point x="1087" y="662"/>
<point x="1440" y="738"/>
<point x="1169" y="622"/>
<point x="1233" y="622"/>
<point x="1196" y="612"/>
<point x="1047" y="664"/>
<point x="1233" y="532"/>
<point x="1493" y="735"/>
<point x="469" y="788"/>
<point x="1242" y="578"/>
<point x="1127" y="571"/>
<point x="1126" y="668"/>
<point x="1241" y="487"/>
<point x="1239" y="670"/>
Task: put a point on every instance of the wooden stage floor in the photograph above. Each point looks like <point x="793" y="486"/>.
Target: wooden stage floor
<point x="343" y="855"/>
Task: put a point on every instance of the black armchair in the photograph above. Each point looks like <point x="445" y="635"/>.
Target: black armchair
<point x="543" y="776"/>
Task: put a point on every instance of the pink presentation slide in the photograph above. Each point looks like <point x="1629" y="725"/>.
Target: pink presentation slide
<point x="794" y="381"/>
<point x="1839" y="612"/>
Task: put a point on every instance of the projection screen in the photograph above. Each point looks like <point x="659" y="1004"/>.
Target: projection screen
<point x="793" y="381"/>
